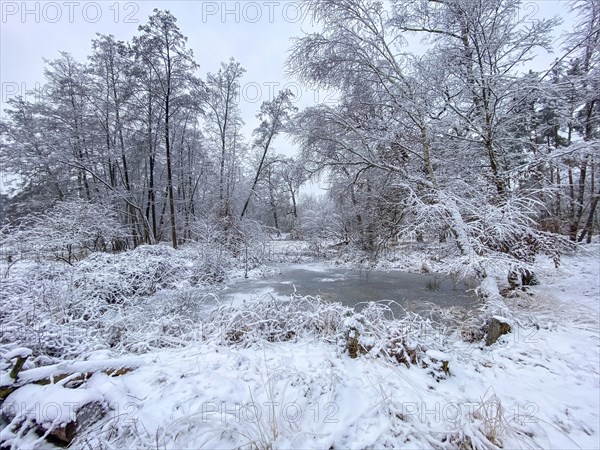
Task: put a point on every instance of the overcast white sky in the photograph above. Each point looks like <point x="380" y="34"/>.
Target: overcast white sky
<point x="256" y="33"/>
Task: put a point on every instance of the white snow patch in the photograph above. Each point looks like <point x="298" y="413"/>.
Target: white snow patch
<point x="20" y="352"/>
<point x="439" y="356"/>
<point x="49" y="406"/>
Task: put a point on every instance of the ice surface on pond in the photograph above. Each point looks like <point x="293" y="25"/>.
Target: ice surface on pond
<point x="351" y="287"/>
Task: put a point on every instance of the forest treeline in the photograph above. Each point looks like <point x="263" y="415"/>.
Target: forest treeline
<point x="462" y="143"/>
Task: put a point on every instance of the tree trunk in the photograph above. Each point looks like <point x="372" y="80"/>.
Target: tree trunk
<point x="256" y="177"/>
<point x="170" y="176"/>
<point x="578" y="210"/>
<point x="589" y="224"/>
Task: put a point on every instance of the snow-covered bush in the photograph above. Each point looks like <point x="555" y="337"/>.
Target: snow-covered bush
<point x="137" y="273"/>
<point x="69" y="231"/>
<point x="319" y="220"/>
<point x="490" y="238"/>
<point x="38" y="310"/>
<point x="220" y="247"/>
<point x="135" y="300"/>
<point x="373" y="331"/>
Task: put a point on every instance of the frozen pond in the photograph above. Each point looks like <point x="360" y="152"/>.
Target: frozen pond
<point x="351" y="287"/>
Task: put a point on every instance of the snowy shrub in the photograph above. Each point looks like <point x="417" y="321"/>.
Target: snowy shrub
<point x="220" y="249"/>
<point x="319" y="219"/>
<point x="69" y="231"/>
<point x="488" y="426"/>
<point x="374" y="331"/>
<point x="146" y="270"/>
<point x="110" y="300"/>
<point x="274" y="320"/>
<point x="116" y="278"/>
<point x="38" y="310"/>
<point x="490" y="238"/>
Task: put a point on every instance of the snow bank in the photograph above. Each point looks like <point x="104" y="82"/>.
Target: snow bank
<point x="48" y="406"/>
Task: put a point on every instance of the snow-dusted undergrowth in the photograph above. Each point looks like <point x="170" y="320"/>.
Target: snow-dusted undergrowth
<point x="63" y="310"/>
<point x="299" y="372"/>
<point x="153" y="298"/>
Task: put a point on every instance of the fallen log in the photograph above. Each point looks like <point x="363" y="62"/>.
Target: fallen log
<point x="53" y="410"/>
<point x="45" y="374"/>
<point x="76" y="371"/>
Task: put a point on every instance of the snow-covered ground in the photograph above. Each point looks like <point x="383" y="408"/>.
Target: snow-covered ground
<point x="537" y="387"/>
